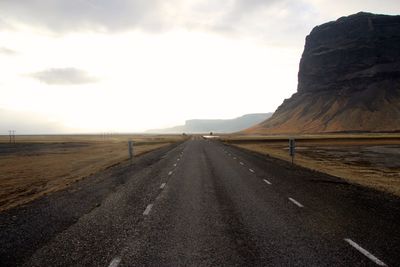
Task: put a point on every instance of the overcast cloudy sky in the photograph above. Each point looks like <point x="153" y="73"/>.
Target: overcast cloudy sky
<point x="131" y="65"/>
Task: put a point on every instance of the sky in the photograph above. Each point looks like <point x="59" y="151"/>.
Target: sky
<point x="93" y="66"/>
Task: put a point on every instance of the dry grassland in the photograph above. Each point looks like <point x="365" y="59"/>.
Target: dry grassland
<point x="38" y="165"/>
<point x="371" y="160"/>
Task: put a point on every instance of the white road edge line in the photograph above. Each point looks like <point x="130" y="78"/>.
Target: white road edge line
<point x="268" y="182"/>
<point x="366" y="253"/>
<point x="296" y="202"/>
<point x="162" y="186"/>
<point x="148" y="209"/>
<point x="115" y="262"/>
<point x="251" y="170"/>
<point x="241" y="163"/>
<point x="170" y="173"/>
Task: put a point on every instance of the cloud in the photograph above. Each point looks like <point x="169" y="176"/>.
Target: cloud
<point x="254" y="17"/>
<point x="97" y="15"/>
<point x="278" y="22"/>
<point x="63" y="76"/>
<point x="275" y="21"/>
<point x="7" y="51"/>
<point x="4" y="25"/>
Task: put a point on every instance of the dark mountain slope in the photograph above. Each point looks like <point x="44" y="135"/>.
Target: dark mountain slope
<point x="349" y="79"/>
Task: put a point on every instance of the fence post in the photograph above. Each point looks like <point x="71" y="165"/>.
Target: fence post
<point x="292" y="148"/>
<point x="130" y="149"/>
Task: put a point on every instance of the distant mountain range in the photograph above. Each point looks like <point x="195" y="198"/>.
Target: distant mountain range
<point x="349" y="80"/>
<point x="216" y="125"/>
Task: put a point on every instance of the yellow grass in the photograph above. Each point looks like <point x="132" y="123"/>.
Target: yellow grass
<point x="58" y="161"/>
<point x="360" y="172"/>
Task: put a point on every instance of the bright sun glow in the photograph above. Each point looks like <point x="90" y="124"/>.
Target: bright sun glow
<point x="133" y="65"/>
<point x="148" y="80"/>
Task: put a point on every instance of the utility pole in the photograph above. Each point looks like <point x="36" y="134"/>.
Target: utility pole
<point x="11" y="134"/>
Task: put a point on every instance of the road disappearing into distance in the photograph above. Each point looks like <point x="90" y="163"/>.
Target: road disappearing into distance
<point x="204" y="203"/>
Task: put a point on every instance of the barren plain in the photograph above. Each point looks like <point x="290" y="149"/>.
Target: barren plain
<point x="38" y="165"/>
<point x="371" y="160"/>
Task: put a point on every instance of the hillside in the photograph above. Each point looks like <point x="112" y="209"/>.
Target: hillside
<point x="217" y="126"/>
<point x="348" y="81"/>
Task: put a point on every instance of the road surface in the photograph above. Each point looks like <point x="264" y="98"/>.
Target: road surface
<point x="203" y="203"/>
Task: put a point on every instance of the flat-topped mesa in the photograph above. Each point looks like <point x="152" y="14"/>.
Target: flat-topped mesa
<point x="352" y="53"/>
<point x="349" y="80"/>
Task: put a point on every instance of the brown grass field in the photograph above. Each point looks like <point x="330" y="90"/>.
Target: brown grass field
<point x="38" y="165"/>
<point x="371" y="160"/>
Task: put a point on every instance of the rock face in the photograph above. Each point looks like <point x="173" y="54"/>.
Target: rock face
<point x="217" y="126"/>
<point x="349" y="79"/>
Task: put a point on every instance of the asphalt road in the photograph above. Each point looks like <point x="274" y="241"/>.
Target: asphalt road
<point x="202" y="203"/>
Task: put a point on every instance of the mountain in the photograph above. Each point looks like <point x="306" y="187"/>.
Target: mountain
<point x="348" y="80"/>
<point x="217" y="126"/>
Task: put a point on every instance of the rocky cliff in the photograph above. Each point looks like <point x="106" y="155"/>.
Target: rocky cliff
<point x="217" y="126"/>
<point x="348" y="81"/>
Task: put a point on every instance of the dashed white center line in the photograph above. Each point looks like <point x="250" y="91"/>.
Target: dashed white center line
<point x="170" y="173"/>
<point x="175" y="165"/>
<point x="178" y="159"/>
<point x="241" y="163"/>
<point x="365" y="252"/>
<point x="251" y="170"/>
<point x="162" y="185"/>
<point x="296" y="202"/>
<point x="148" y="209"/>
<point x="234" y="157"/>
<point x="268" y="182"/>
<point x="115" y="262"/>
